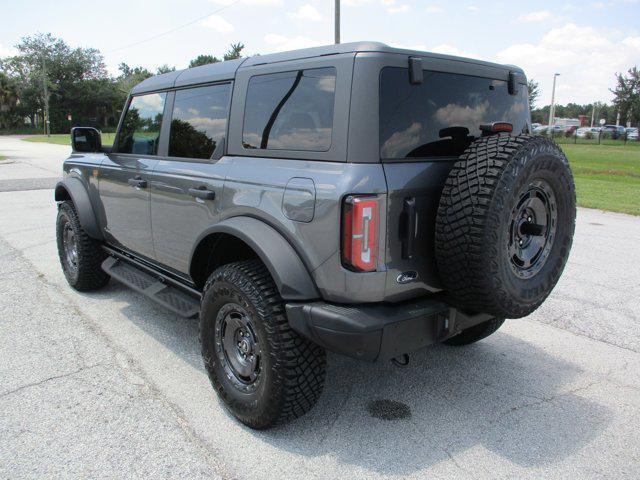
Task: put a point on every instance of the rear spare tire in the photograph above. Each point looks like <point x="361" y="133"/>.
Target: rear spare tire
<point x="505" y="224"/>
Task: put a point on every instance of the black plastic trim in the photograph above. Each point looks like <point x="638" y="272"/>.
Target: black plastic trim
<point x="379" y="331"/>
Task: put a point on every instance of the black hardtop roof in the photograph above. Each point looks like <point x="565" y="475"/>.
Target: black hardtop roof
<point x="220" y="71"/>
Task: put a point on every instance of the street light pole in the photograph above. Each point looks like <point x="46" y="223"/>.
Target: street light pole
<point x="552" y="110"/>
<point x="337" y="22"/>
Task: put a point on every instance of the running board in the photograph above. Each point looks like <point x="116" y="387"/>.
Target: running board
<point x="154" y="287"/>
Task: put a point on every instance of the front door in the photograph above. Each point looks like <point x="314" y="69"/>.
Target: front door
<point x="186" y="186"/>
<point x="125" y="175"/>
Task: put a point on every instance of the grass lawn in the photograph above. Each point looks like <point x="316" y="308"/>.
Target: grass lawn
<point x="607" y="176"/>
<point x="65" y="138"/>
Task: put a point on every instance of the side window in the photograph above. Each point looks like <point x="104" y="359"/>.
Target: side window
<point x="141" y="126"/>
<point x="290" y="110"/>
<point x="199" y="121"/>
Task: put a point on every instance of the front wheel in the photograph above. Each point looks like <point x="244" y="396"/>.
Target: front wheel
<point x="264" y="372"/>
<point x="80" y="255"/>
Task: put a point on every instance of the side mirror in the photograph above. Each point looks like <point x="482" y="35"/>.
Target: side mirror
<point x="86" y="139"/>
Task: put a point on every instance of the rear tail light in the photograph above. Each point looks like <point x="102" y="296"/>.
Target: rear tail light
<point x="360" y="233"/>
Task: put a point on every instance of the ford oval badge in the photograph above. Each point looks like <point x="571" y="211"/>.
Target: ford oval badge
<point x="406" y="277"/>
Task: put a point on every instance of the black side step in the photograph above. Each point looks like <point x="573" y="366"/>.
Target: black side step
<point x="171" y="297"/>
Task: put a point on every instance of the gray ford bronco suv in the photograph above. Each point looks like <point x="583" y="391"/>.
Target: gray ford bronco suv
<point x="355" y="198"/>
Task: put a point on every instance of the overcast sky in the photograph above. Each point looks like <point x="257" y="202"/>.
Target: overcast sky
<point x="586" y="42"/>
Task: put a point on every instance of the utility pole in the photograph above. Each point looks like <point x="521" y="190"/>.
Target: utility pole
<point x="593" y="111"/>
<point x="337" y="22"/>
<point x="45" y="90"/>
<point x="552" y="110"/>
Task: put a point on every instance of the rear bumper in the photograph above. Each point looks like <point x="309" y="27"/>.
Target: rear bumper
<point x="379" y="331"/>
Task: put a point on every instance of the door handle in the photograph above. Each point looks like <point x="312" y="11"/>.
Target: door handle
<point x="203" y="193"/>
<point x="137" y="182"/>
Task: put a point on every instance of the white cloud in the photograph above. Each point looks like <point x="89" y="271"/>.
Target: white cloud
<point x="307" y="12"/>
<point x="355" y="3"/>
<point x="433" y="9"/>
<point x="280" y="43"/>
<point x="7" y="51"/>
<point x="217" y="23"/>
<point x="473" y="8"/>
<point x="253" y="3"/>
<point x="538" y="16"/>
<point x="399" y="9"/>
<point x="600" y="5"/>
<point x="586" y="58"/>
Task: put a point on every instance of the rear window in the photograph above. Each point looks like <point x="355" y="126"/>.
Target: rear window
<point x="290" y="110"/>
<point x="199" y="121"/>
<point x="442" y="116"/>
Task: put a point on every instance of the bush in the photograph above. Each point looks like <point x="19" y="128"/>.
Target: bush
<point x="26" y="130"/>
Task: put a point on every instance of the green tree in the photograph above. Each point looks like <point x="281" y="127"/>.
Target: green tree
<point x="8" y="101"/>
<point x="234" y="52"/>
<point x="203" y="60"/>
<point x="165" y="69"/>
<point x="627" y="96"/>
<point x="48" y="71"/>
<point x="534" y="93"/>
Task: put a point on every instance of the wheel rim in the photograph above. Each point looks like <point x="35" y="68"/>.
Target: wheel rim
<point x="70" y="246"/>
<point x="238" y="347"/>
<point x="532" y="229"/>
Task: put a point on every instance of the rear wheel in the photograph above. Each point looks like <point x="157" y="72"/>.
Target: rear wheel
<point x="264" y="372"/>
<point x="505" y="224"/>
<point x="80" y="255"/>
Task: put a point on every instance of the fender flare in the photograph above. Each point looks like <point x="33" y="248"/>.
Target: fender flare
<point x="76" y="190"/>
<point x="284" y="264"/>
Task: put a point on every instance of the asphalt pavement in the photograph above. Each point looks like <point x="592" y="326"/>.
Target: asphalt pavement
<point x="108" y="384"/>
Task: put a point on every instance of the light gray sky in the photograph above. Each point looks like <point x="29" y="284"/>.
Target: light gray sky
<point x="586" y="41"/>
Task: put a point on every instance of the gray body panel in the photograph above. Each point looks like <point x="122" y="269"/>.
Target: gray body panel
<point x="126" y="207"/>
<point x="286" y="205"/>
<point x="177" y="217"/>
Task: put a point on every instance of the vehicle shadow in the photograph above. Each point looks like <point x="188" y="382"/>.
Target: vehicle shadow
<point x="503" y="394"/>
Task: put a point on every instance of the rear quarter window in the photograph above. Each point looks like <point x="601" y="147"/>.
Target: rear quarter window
<point x="442" y="116"/>
<point x="290" y="110"/>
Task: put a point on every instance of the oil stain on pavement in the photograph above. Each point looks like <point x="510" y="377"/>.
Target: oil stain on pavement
<point x="388" y="409"/>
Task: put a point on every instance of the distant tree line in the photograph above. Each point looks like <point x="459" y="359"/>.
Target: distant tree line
<point x="626" y="103"/>
<point x="46" y="72"/>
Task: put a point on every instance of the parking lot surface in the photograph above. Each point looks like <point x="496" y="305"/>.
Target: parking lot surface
<point x="108" y="384"/>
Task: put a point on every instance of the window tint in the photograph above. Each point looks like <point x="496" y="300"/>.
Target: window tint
<point x="442" y="116"/>
<point x="199" y="121"/>
<point x="290" y="111"/>
<point x="141" y="126"/>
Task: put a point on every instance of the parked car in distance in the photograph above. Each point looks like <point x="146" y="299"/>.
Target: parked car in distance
<point x="632" y="133"/>
<point x="583" y="131"/>
<point x="614" y="131"/>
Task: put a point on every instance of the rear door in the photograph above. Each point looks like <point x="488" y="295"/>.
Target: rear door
<point x="186" y="188"/>
<point x="423" y="130"/>
<point x="125" y="174"/>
